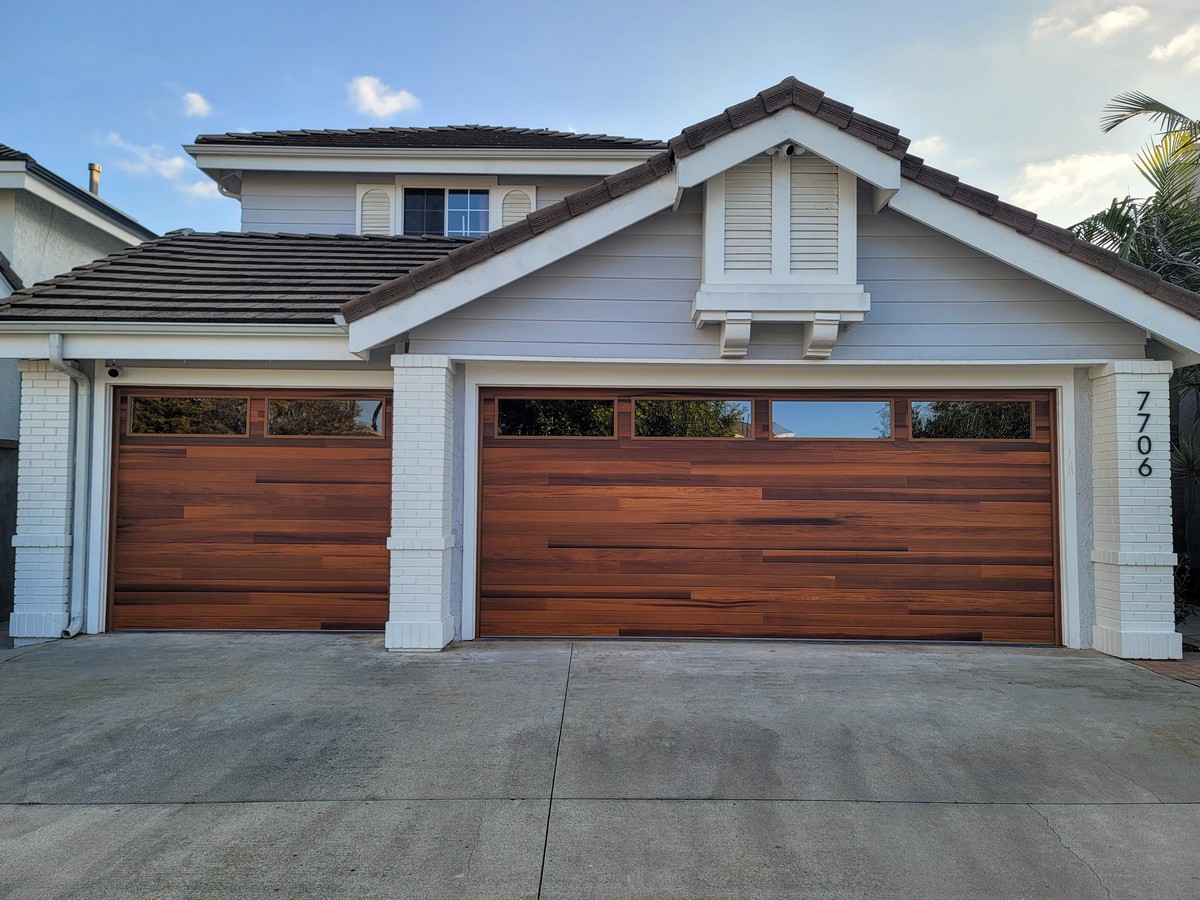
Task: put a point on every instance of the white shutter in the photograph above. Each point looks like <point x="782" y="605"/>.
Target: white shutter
<point x="814" y="228"/>
<point x="748" y="216"/>
<point x="376" y="212"/>
<point x="515" y="206"/>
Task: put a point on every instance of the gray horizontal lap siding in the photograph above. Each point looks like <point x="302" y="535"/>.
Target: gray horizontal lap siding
<point x="323" y="203"/>
<point x="630" y="295"/>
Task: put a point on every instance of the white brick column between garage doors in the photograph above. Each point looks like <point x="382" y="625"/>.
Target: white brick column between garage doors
<point x="1132" y="553"/>
<point x="422" y="539"/>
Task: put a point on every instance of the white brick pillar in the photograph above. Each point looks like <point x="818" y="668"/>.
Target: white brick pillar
<point x="1132" y="552"/>
<point x="422" y="540"/>
<point x="44" y="504"/>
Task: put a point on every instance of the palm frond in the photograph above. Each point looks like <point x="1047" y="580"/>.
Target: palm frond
<point x="1131" y="104"/>
<point x="1171" y="166"/>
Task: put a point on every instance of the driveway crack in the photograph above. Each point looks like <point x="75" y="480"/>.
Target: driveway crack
<point x="554" y="773"/>
<point x="1064" y="845"/>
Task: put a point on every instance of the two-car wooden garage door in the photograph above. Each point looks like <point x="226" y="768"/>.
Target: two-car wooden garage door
<point x="930" y="518"/>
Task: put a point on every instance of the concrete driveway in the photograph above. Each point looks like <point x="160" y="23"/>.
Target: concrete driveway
<point x="230" y="765"/>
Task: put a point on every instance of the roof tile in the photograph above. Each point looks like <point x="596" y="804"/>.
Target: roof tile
<point x="1052" y="236"/>
<point x="710" y="129"/>
<point x="232" y="277"/>
<point x="776" y="97"/>
<point x="836" y="113"/>
<point x="1104" y="260"/>
<point x="444" y="137"/>
<point x="588" y="198"/>
<point x="935" y="179"/>
<point x="747" y="112"/>
<point x="548" y="217"/>
<point x="976" y="198"/>
<point x="630" y="180"/>
<point x="511" y="235"/>
<point x="1014" y="217"/>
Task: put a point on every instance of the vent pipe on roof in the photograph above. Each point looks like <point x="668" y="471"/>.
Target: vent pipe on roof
<point x="94" y="178"/>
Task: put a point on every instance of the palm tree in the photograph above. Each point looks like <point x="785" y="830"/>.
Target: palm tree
<point x="1160" y="232"/>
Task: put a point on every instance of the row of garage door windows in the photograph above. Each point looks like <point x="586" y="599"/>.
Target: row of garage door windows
<point x="596" y="418"/>
<point x="789" y="419"/>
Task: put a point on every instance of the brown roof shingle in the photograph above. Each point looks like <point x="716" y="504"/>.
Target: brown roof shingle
<point x="445" y="137"/>
<point x="226" y="277"/>
<point x="795" y="94"/>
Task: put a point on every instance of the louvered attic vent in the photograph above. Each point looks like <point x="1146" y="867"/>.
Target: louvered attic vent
<point x="780" y="245"/>
<point x="375" y="210"/>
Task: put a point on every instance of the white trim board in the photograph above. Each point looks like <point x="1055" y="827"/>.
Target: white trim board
<point x="1059" y="379"/>
<point x="325" y="345"/>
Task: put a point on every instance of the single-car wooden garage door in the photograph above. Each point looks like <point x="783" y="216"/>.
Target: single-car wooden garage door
<point x="251" y="510"/>
<point x="915" y="515"/>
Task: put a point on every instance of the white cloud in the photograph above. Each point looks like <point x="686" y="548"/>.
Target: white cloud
<point x="933" y="149"/>
<point x="1069" y="189"/>
<point x="205" y="190"/>
<point x="372" y="97"/>
<point x="1052" y="24"/>
<point x="1186" y="43"/>
<point x="151" y="159"/>
<point x="194" y="104"/>
<point x="1108" y="25"/>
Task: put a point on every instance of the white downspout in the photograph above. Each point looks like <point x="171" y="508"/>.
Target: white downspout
<point x="80" y="466"/>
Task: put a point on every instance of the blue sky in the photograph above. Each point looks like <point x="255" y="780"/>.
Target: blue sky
<point x="1005" y="94"/>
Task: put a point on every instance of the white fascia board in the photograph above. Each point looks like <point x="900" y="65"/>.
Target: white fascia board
<point x="1171" y="326"/>
<point x="821" y="138"/>
<point x="385" y="325"/>
<point x="443" y="162"/>
<point x="22" y="180"/>
<point x="31" y="341"/>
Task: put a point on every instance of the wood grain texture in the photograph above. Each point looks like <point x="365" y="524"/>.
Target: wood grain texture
<point x="900" y="539"/>
<point x="250" y="532"/>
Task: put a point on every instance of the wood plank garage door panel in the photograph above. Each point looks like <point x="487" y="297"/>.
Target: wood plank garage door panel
<point x="250" y="532"/>
<point x="910" y="539"/>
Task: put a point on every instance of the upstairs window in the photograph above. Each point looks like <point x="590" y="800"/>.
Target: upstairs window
<point x="440" y="206"/>
<point x="450" y="212"/>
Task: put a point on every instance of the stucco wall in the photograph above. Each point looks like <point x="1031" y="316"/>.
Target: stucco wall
<point x="48" y="241"/>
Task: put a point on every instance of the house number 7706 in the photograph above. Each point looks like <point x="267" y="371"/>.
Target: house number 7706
<point x="1144" y="444"/>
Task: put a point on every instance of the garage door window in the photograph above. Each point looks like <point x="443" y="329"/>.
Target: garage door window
<point x="218" y="416"/>
<point x="826" y="419"/>
<point x="972" y="420"/>
<point x="728" y="419"/>
<point x="324" y="418"/>
<point x="527" y="417"/>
